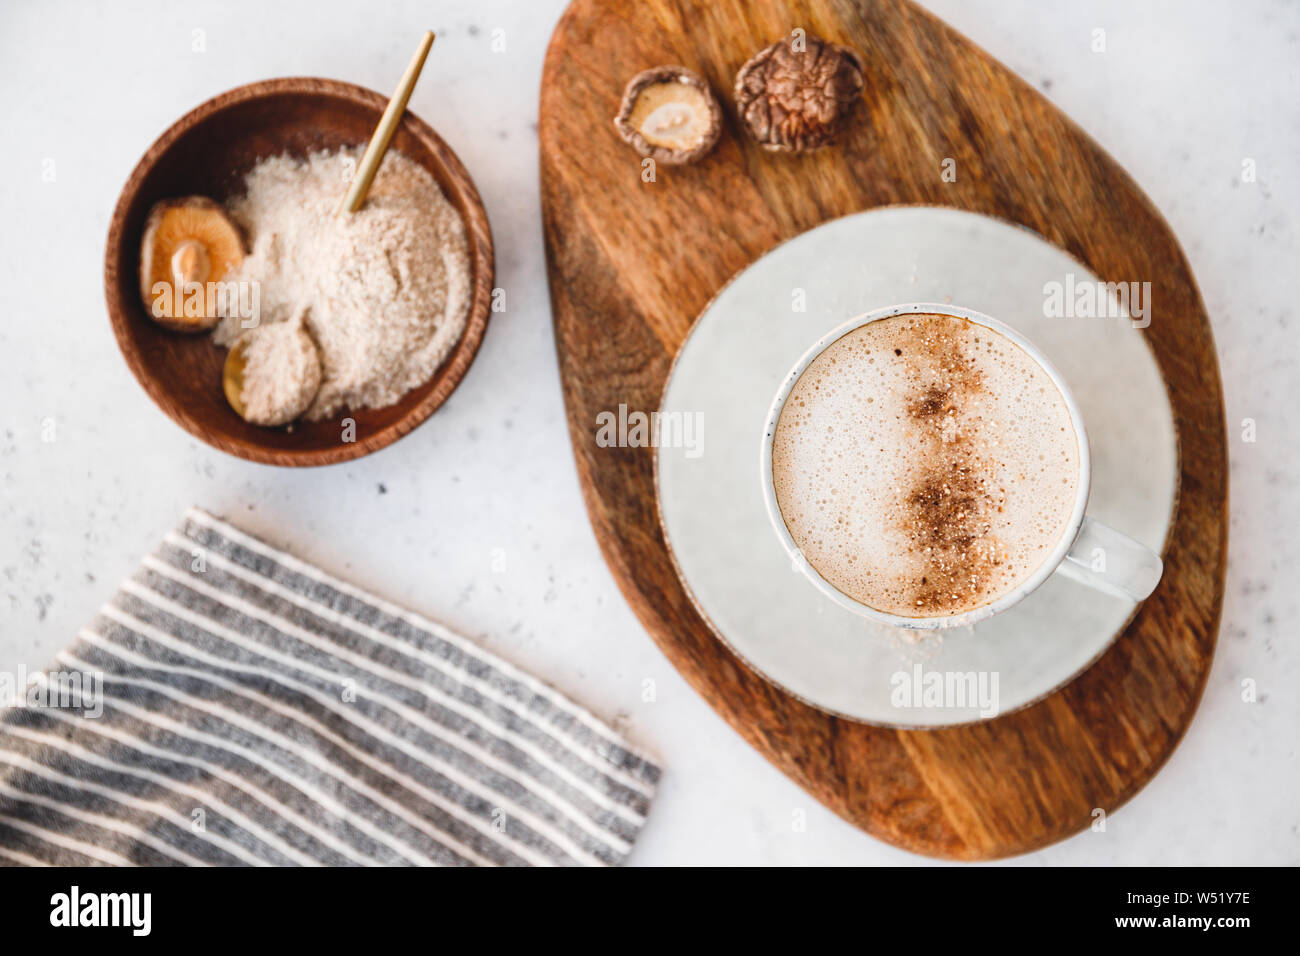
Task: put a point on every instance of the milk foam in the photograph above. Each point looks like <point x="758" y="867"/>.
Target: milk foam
<point x="925" y="465"/>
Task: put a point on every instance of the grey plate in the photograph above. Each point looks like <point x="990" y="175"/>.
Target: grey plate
<point x="711" y="502"/>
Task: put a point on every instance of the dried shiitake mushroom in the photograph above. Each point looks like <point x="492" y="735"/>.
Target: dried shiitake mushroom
<point x="670" y="115"/>
<point x="186" y="241"/>
<point x="795" y="94"/>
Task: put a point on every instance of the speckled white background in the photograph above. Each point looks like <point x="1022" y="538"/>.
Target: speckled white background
<point x="1184" y="92"/>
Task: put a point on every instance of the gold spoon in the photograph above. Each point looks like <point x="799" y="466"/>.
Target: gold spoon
<point x="232" y="376"/>
<point x="295" y="345"/>
<point x="374" y="154"/>
<point x="232" y="373"/>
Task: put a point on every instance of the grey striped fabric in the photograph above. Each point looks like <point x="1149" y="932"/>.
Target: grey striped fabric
<point x="256" y="711"/>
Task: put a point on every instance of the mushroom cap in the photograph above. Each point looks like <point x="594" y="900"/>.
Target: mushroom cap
<point x="188" y="232"/>
<point x="796" y="100"/>
<point x="667" y="76"/>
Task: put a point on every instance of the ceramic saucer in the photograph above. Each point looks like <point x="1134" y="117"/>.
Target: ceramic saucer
<point x="710" y="495"/>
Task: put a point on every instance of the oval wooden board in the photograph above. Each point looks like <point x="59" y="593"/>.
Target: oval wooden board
<point x="632" y="263"/>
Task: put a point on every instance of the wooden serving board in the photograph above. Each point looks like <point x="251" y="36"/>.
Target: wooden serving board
<point x="632" y="264"/>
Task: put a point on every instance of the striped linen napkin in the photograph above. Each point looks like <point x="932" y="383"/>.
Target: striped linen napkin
<point x="238" y="706"/>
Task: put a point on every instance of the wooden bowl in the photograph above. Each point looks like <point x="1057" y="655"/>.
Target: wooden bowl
<point x="208" y="152"/>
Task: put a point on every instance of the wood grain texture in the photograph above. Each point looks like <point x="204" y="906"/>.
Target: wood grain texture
<point x="632" y="264"/>
<point x="207" y="152"/>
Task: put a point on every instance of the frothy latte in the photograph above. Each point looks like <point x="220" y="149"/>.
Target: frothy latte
<point x="925" y="465"/>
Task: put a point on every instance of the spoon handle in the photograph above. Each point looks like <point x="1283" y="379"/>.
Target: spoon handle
<point x="374" y="154"/>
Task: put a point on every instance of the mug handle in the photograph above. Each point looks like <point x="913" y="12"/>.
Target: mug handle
<point x="1109" y="561"/>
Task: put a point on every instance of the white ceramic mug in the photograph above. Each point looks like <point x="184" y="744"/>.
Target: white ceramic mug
<point x="1130" y="569"/>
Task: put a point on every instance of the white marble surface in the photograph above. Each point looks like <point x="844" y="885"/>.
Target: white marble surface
<point x="1184" y="92"/>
